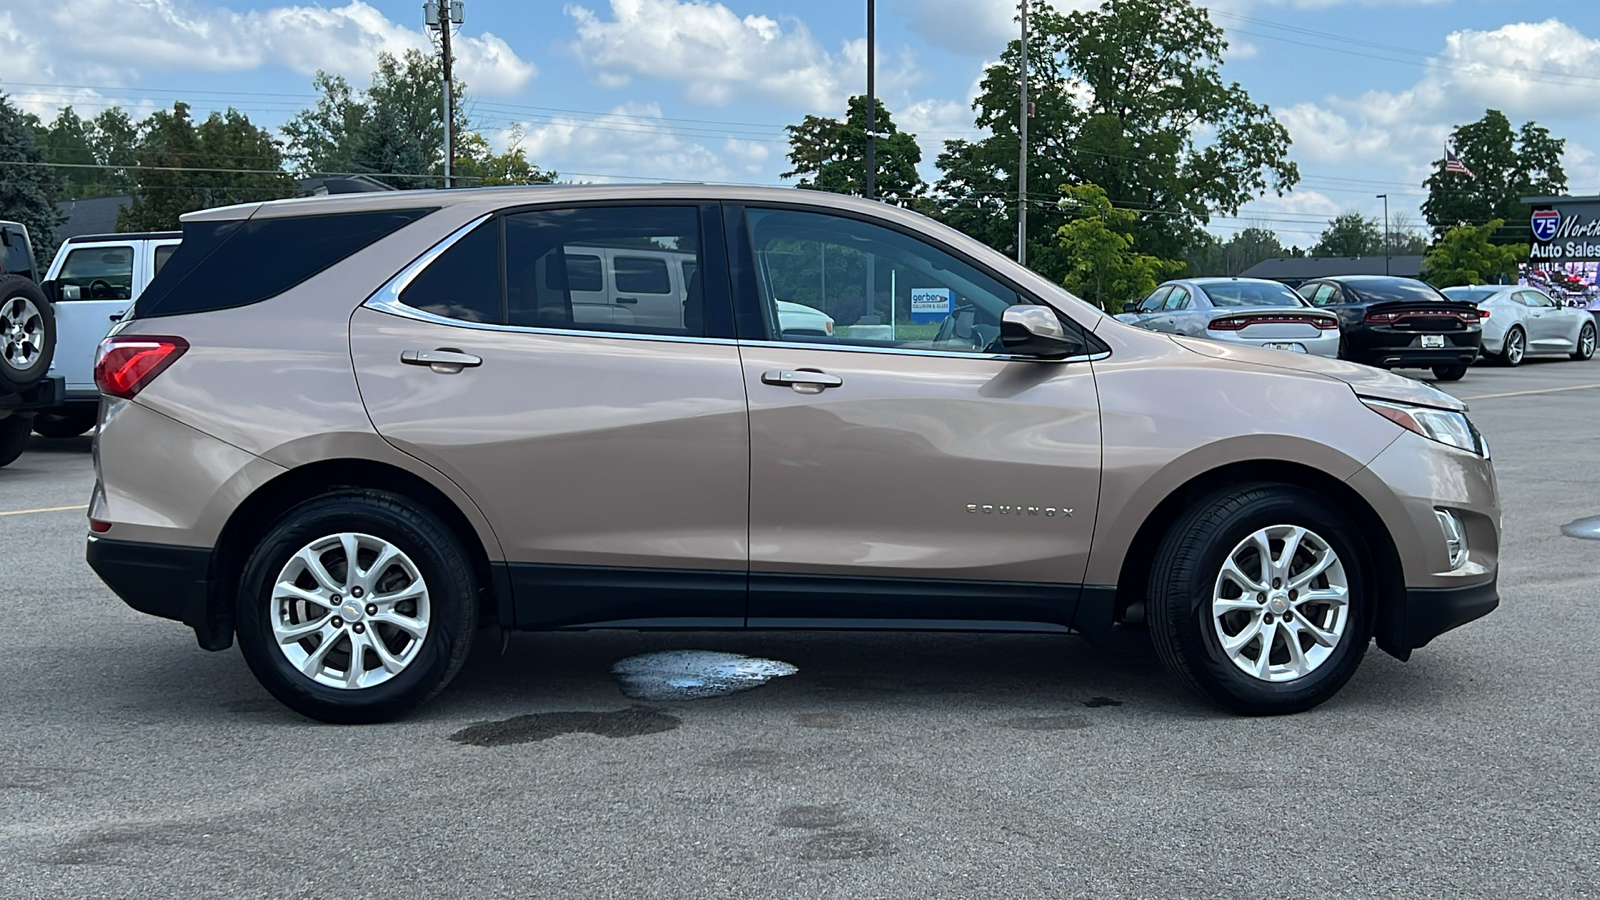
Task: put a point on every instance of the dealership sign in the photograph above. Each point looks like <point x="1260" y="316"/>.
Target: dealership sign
<point x="1565" y="228"/>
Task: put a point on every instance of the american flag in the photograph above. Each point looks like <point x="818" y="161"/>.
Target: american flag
<point x="1453" y="163"/>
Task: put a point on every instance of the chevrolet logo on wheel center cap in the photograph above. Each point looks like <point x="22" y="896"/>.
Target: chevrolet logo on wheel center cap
<point x="1279" y="602"/>
<point x="351" y="611"/>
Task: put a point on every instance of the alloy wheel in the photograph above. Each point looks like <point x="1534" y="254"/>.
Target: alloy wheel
<point x="1281" y="603"/>
<point x="350" y="611"/>
<point x="1586" y="342"/>
<point x="21" y="333"/>
<point x="1516" y="346"/>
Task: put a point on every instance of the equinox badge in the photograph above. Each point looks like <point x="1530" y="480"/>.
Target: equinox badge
<point x="1004" y="510"/>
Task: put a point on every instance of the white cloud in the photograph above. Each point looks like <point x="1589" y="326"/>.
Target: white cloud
<point x="112" y="41"/>
<point x="720" y="57"/>
<point x="634" y="142"/>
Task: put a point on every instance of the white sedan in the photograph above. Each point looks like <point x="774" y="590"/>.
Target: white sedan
<point x="1519" y="320"/>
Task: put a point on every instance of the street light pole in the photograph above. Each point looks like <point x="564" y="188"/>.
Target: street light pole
<point x="872" y="100"/>
<point x="1022" y="154"/>
<point x="1385" y="199"/>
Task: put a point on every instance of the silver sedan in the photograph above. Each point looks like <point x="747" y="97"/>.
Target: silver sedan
<point x="1521" y="320"/>
<point x="1251" y="311"/>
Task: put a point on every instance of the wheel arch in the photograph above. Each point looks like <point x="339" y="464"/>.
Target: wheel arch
<point x="1382" y="560"/>
<point x="267" y="503"/>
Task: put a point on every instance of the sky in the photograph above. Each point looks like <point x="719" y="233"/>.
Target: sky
<point x="617" y="90"/>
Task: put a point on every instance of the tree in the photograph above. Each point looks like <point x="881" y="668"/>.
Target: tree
<point x="28" y="188"/>
<point x="1404" y="240"/>
<point x="477" y="165"/>
<point x="1508" y="166"/>
<point x="1127" y="97"/>
<point x="1467" y="254"/>
<point x="91" y="154"/>
<point x="1250" y="245"/>
<point x="183" y="167"/>
<point x="393" y="130"/>
<point x="830" y="155"/>
<point x="1350" y="234"/>
<point x="1096" y="248"/>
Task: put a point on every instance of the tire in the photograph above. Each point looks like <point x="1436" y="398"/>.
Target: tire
<point x="1516" y="347"/>
<point x="1449" y="373"/>
<point x="441" y="619"/>
<point x="14" y="431"/>
<point x="1187" y="584"/>
<point x="68" y="424"/>
<point x="1586" y="341"/>
<point x="27" y="334"/>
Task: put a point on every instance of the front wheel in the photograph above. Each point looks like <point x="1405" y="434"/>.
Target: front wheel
<point x="1258" y="599"/>
<point x="1449" y="373"/>
<point x="1586" y="339"/>
<point x="356" y="607"/>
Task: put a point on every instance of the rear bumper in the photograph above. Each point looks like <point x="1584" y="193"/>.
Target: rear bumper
<point x="1413" y="358"/>
<point x="1387" y="348"/>
<point x="1430" y="612"/>
<point x="161" y="580"/>
<point x="47" y="394"/>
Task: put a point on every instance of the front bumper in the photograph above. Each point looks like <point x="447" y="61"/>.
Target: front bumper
<point x="1430" y="612"/>
<point x="162" y="580"/>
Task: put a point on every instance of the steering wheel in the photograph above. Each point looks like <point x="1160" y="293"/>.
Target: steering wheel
<point x="101" y="289"/>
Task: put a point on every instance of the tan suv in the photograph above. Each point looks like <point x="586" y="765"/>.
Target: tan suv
<point x="352" y="429"/>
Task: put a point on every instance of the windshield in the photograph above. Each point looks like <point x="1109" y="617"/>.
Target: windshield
<point x="1473" y="294"/>
<point x="1239" y="294"/>
<point x="1397" y="289"/>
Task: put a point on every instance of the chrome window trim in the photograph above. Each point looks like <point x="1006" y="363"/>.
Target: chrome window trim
<point x="389" y="294"/>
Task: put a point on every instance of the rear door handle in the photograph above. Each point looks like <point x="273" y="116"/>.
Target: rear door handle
<point x="806" y="381"/>
<point x="627" y="299"/>
<point x="445" y="360"/>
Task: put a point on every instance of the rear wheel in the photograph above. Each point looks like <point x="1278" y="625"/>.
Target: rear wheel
<point x="356" y="607"/>
<point x="13" y="438"/>
<point x="65" y="424"/>
<point x="27" y="334"/>
<point x="1516" y="347"/>
<point x="1258" y="600"/>
<point x="1449" y="373"/>
<point x="1586" y="340"/>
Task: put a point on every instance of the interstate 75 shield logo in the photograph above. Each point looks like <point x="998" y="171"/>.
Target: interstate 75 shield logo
<point x="1546" y="222"/>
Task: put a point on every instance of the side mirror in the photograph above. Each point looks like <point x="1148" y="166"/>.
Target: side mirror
<point x="1130" y="306"/>
<point x="1035" y="331"/>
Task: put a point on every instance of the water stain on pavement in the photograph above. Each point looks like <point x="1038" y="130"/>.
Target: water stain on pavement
<point x="694" y="674"/>
<point x="526" y="729"/>
<point x="1587" y="529"/>
<point x="821" y="720"/>
<point x="1097" y="702"/>
<point x="747" y="758"/>
<point x="1063" y="722"/>
<point x="831" y="815"/>
<point x="845" y="844"/>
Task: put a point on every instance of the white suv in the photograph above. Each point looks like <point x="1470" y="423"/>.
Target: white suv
<point x="95" y="279"/>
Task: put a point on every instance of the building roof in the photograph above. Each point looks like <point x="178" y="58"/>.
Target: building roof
<point x="1305" y="268"/>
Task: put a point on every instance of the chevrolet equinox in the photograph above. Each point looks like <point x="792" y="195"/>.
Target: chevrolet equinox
<point x="350" y="430"/>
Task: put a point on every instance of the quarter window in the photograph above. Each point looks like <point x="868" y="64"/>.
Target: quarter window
<point x="832" y="280"/>
<point x="163" y="253"/>
<point x="464" y="282"/>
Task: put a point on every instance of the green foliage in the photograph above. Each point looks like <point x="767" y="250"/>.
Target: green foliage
<point x="1096" y="248"/>
<point x="830" y="155"/>
<point x="28" y="190"/>
<point x="1251" y="245"/>
<point x="94" y="153"/>
<point x="1128" y="97"/>
<point x="184" y="167"/>
<point x="1467" y="254"/>
<point x="476" y="165"/>
<point x="1350" y="234"/>
<point x="1508" y="165"/>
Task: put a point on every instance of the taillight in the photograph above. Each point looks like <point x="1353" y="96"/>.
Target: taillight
<point x="1382" y="317"/>
<point x="1326" y="324"/>
<point x="1483" y="314"/>
<point x="126" y="363"/>
<point x="1234" y="324"/>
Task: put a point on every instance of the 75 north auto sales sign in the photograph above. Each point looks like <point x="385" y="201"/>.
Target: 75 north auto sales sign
<point x="1565" y="228"/>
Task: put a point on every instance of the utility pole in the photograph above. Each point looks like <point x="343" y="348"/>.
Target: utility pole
<point x="440" y="15"/>
<point x="872" y="100"/>
<point x="1022" y="155"/>
<point x="1385" y="199"/>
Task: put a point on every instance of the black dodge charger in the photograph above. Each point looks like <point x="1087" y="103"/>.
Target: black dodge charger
<point x="1396" y="323"/>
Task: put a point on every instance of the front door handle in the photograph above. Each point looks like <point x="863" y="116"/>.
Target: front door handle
<point x="806" y="381"/>
<point x="445" y="360"/>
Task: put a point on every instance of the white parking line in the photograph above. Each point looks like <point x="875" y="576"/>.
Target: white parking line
<point x="1570" y="387"/>
<point x="42" y="509"/>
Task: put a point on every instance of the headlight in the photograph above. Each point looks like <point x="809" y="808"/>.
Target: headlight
<point x="1442" y="425"/>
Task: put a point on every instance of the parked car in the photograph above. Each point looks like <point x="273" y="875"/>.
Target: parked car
<point x="1519" y="320"/>
<point x="1392" y="322"/>
<point x="348" y="430"/>
<point x="27" y="342"/>
<point x="92" y="281"/>
<point x="1251" y="311"/>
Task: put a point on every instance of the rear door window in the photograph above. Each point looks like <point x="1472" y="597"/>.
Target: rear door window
<point x="1178" y="299"/>
<point x="97" y="273"/>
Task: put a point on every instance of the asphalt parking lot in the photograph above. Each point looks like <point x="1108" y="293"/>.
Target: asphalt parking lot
<point x="133" y="764"/>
